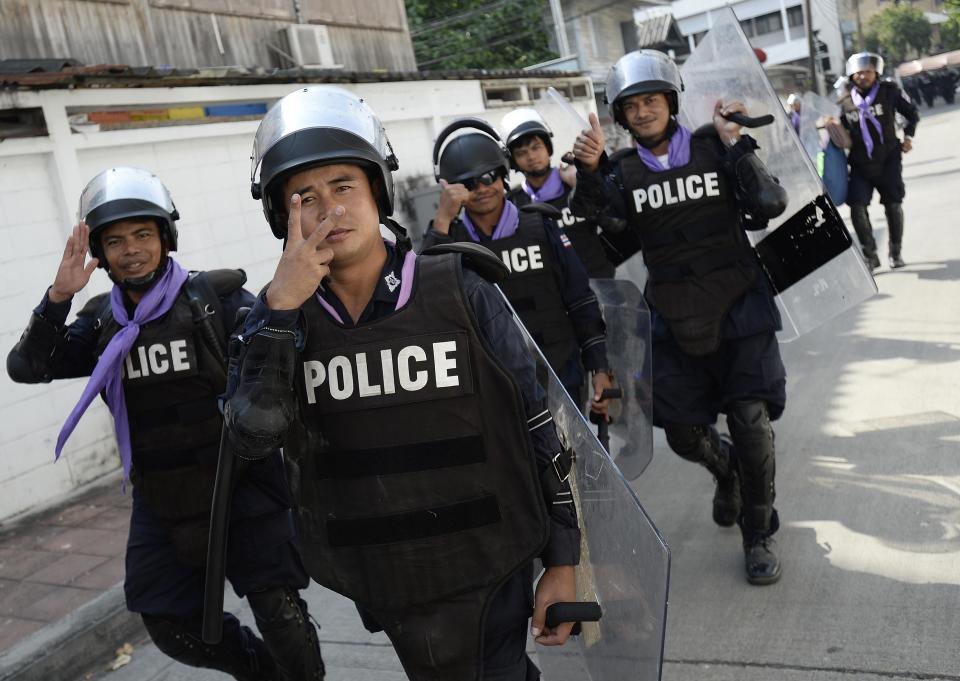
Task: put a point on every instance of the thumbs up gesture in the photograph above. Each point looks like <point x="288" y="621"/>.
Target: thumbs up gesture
<point x="589" y="145"/>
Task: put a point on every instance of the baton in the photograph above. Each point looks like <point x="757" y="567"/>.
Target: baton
<point x="217" y="546"/>
<point x="601" y="420"/>
<point x="577" y="612"/>
<point x="749" y="121"/>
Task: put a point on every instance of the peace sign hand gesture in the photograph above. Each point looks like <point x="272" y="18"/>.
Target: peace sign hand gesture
<point x="304" y="263"/>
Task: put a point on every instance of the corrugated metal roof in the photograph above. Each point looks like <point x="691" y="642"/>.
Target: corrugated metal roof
<point x="122" y="76"/>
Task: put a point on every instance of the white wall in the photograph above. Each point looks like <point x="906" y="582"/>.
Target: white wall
<point x="206" y="167"/>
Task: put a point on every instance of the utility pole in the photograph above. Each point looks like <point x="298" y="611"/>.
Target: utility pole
<point x="860" y="41"/>
<point x="811" y="46"/>
<point x="298" y="12"/>
<point x="563" y="47"/>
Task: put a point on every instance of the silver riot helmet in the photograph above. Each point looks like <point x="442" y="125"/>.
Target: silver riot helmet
<point x="522" y="122"/>
<point x="314" y="126"/>
<point x="126" y="193"/>
<point x="639" y="72"/>
<point x="792" y="99"/>
<point x="861" y="61"/>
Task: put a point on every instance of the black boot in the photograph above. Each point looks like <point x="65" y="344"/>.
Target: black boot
<point x="288" y="633"/>
<point x="704" y="445"/>
<point x="864" y="230"/>
<point x="895" y="233"/>
<point x="752" y="434"/>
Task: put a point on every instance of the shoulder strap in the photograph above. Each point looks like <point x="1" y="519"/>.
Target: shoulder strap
<point x="479" y="259"/>
<point x="204" y="290"/>
<point x="531" y="224"/>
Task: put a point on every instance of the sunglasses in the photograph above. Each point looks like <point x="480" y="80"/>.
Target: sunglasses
<point x="486" y="179"/>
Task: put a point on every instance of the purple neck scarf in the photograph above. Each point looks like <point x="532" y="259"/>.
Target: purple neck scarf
<point x="864" y="103"/>
<point x="406" y="287"/>
<point x="678" y="151"/>
<point x="551" y="189"/>
<point x="108" y="372"/>
<point x="506" y="227"/>
<point x="795" y="120"/>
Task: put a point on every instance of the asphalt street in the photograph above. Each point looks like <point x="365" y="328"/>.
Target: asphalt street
<point x="868" y="479"/>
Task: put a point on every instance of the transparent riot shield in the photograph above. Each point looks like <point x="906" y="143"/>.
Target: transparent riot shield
<point x="810" y="259"/>
<point x="627" y="318"/>
<point x="624" y="563"/>
<point x="562" y="118"/>
<point x="814" y="111"/>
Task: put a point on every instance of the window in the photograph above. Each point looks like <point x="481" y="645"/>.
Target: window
<point x="697" y="37"/>
<point x="768" y="23"/>
<point x="795" y="16"/>
<point x="747" y="26"/>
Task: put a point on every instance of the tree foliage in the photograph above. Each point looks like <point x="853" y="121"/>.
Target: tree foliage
<point x="898" y="32"/>
<point x="479" y="34"/>
<point x="950" y="30"/>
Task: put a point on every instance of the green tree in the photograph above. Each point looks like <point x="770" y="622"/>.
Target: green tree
<point x="898" y="31"/>
<point x="478" y="34"/>
<point x="950" y="30"/>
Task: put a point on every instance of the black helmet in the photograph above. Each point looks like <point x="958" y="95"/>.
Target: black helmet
<point x="123" y="193"/>
<point x="313" y="126"/>
<point x="639" y="72"/>
<point x="521" y="123"/>
<point x="470" y="155"/>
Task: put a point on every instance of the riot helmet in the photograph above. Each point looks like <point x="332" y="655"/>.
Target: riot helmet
<point x="793" y="98"/>
<point x="470" y="155"/>
<point x="124" y="193"/>
<point x="315" y="126"/>
<point x="522" y="123"/>
<point x="640" y="72"/>
<point x="861" y="61"/>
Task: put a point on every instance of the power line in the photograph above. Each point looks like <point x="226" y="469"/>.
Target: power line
<point x="466" y="14"/>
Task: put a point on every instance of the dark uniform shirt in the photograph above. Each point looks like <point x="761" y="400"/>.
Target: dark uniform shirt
<point x="499" y="330"/>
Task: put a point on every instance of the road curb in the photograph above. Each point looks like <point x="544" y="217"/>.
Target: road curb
<point x="88" y="634"/>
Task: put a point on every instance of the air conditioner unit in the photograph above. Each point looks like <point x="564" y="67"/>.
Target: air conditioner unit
<point x="310" y="46"/>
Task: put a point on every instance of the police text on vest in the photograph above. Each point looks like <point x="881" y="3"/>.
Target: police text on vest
<point x="411" y="370"/>
<point x="521" y="259"/>
<point x="157" y="359"/>
<point x="677" y="190"/>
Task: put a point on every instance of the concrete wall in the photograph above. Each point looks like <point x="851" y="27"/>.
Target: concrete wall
<point x="206" y="168"/>
<point x="594" y="33"/>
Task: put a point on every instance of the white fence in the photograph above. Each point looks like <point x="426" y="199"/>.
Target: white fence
<point x="206" y="167"/>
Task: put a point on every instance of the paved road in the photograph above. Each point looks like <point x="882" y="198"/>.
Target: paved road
<point x="868" y="484"/>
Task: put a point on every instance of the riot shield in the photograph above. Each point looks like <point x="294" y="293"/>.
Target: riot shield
<point x="814" y="110"/>
<point x="563" y="120"/>
<point x="810" y="260"/>
<point x="624" y="563"/>
<point x="627" y="318"/>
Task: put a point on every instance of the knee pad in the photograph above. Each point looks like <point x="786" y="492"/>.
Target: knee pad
<point x="700" y="444"/>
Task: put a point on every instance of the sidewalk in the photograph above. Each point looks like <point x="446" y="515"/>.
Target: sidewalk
<point x="61" y="574"/>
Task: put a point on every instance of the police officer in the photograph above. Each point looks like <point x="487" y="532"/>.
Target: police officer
<point x="869" y="114"/>
<point x="794" y="103"/>
<point x="400" y="385"/>
<point x="683" y="194"/>
<point x="529" y="140"/>
<point x="155" y="345"/>
<point x="547" y="285"/>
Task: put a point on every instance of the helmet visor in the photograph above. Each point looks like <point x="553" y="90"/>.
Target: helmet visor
<point x="117" y="184"/>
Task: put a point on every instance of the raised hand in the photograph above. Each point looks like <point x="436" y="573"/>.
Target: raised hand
<point x="73" y="273"/>
<point x="588" y="148"/>
<point x="305" y="261"/>
<point x="452" y="198"/>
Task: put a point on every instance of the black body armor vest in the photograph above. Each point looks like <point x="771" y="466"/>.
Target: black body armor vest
<point x="171" y="382"/>
<point x="884" y="108"/>
<point x="419" y="490"/>
<point x="533" y="286"/>
<point x="696" y="251"/>
<point x="583" y="234"/>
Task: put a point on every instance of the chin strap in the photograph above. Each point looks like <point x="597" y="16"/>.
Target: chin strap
<point x="647" y="143"/>
<point x="144" y="282"/>
<point x="539" y="173"/>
